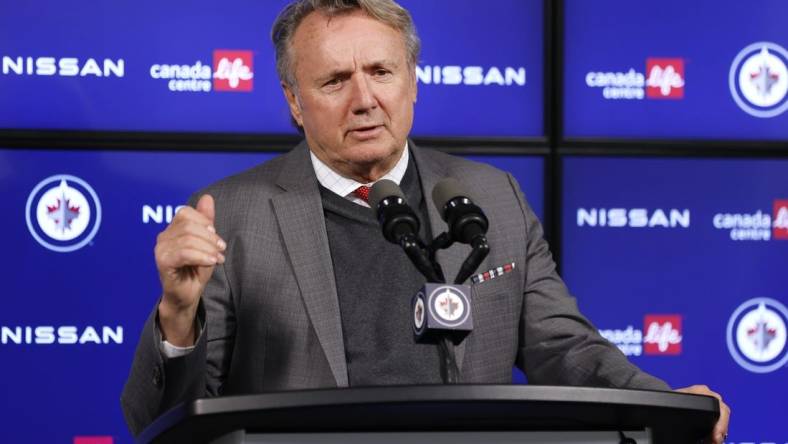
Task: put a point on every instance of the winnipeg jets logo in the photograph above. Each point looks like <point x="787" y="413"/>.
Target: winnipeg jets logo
<point x="758" y="79"/>
<point x="448" y="306"/>
<point x="63" y="213"/>
<point x="764" y="77"/>
<point x="757" y="335"/>
<point x="761" y="334"/>
<point x="418" y="313"/>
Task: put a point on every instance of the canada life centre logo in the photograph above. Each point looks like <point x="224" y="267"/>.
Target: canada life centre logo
<point x="63" y="213"/>
<point x="755" y="225"/>
<point x="231" y="71"/>
<point x="758" y="79"/>
<point x="756" y="335"/>
<point x="663" y="336"/>
<point x="663" y="79"/>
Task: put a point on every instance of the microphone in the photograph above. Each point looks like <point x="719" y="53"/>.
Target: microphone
<point x="467" y="223"/>
<point x="441" y="312"/>
<point x="465" y="219"/>
<point x="401" y="226"/>
<point x="396" y="217"/>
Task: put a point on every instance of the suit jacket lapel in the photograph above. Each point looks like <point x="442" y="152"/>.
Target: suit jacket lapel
<point x="299" y="212"/>
<point x="451" y="259"/>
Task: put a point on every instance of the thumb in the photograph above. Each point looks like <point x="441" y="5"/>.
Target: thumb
<point x="205" y="206"/>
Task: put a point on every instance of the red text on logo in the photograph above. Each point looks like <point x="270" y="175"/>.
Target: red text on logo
<point x="665" y="78"/>
<point x="780" y="219"/>
<point x="662" y="334"/>
<point x="232" y="70"/>
<point x="93" y="440"/>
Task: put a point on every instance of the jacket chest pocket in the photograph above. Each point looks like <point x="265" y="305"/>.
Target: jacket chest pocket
<point x="497" y="305"/>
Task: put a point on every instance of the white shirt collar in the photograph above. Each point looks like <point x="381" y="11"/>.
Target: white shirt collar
<point x="344" y="186"/>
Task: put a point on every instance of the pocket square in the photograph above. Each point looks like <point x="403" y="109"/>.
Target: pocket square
<point x="492" y="273"/>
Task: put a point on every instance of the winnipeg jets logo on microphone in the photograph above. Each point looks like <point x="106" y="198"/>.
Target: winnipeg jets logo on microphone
<point x="440" y="309"/>
<point x="448" y="306"/>
<point x="418" y="313"/>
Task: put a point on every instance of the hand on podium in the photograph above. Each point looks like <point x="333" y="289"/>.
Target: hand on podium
<point x="720" y="432"/>
<point x="186" y="254"/>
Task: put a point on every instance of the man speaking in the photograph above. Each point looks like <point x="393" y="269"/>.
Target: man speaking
<point x="279" y="277"/>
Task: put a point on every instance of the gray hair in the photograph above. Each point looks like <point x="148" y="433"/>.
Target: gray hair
<point x="385" y="11"/>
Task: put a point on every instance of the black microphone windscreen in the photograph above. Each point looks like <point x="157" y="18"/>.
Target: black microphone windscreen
<point x="381" y="190"/>
<point x="446" y="190"/>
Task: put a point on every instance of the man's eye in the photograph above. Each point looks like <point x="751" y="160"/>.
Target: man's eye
<point x="333" y="82"/>
<point x="381" y="72"/>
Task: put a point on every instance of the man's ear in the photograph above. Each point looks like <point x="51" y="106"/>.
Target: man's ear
<point x="292" y="102"/>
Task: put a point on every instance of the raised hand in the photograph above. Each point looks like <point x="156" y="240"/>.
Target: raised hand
<point x="186" y="254"/>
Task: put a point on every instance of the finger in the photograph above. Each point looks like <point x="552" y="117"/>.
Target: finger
<point x="193" y="229"/>
<point x="205" y="206"/>
<point x="168" y="257"/>
<point x="698" y="390"/>
<point x="188" y="257"/>
<point x="194" y="224"/>
<point x="197" y="243"/>
<point x="721" y="428"/>
<point x="189" y="214"/>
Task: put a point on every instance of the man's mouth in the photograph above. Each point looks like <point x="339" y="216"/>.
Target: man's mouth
<point x="366" y="132"/>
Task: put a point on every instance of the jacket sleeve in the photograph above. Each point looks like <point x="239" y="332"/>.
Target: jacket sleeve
<point x="157" y="383"/>
<point x="557" y="344"/>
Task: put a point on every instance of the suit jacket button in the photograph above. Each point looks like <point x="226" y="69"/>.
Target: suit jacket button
<point x="157" y="377"/>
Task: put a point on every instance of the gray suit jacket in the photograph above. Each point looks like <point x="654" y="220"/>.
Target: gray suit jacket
<point x="271" y="313"/>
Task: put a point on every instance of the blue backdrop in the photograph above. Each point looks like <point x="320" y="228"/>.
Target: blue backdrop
<point x="632" y="267"/>
<point x="668" y="257"/>
<point x="608" y="47"/>
<point x="99" y="295"/>
<point x="54" y="57"/>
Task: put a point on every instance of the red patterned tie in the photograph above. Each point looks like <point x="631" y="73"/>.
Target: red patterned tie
<point x="362" y="193"/>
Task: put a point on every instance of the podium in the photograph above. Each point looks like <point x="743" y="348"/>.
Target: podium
<point x="441" y="414"/>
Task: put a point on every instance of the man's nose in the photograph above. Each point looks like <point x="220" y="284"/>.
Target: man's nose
<point x="363" y="95"/>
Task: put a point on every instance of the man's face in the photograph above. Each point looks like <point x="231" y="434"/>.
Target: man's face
<point x="355" y="92"/>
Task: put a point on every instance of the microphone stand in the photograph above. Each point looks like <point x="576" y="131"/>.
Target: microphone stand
<point x="400" y="225"/>
<point x="479" y="250"/>
<point x="450" y="372"/>
<point x="423" y="258"/>
<point x="425" y="263"/>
